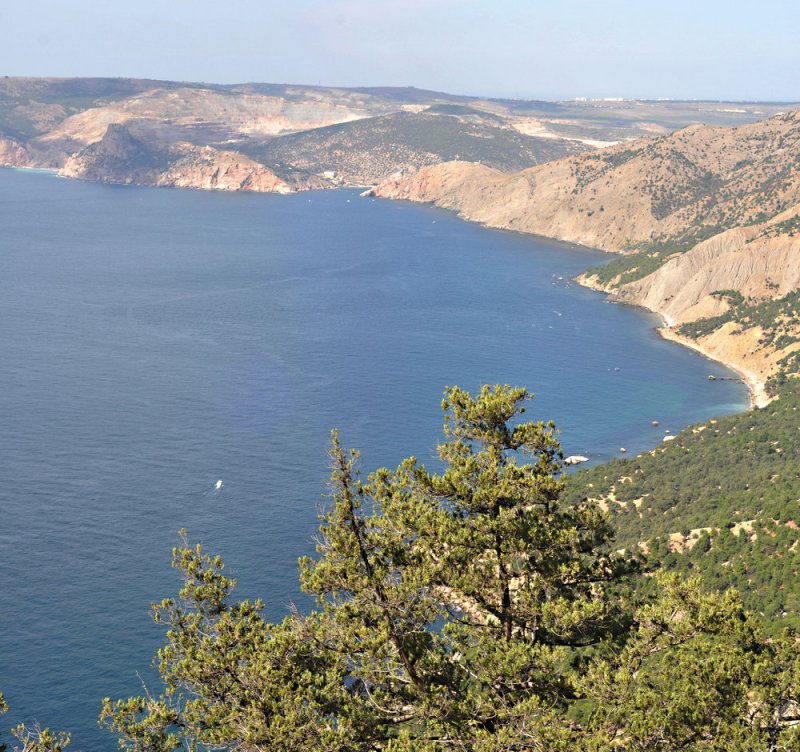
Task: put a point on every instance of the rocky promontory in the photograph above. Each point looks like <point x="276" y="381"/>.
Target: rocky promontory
<point x="121" y="157"/>
<point x="13" y="154"/>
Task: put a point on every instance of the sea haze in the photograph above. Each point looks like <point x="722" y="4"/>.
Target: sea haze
<point x="155" y="341"/>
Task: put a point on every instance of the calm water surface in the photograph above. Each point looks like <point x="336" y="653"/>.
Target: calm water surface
<point x="154" y="341"/>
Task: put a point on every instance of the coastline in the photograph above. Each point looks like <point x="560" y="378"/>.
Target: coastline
<point x="756" y="387"/>
<point x="43" y="170"/>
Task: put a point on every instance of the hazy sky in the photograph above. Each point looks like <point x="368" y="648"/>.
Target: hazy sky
<point x="725" y="49"/>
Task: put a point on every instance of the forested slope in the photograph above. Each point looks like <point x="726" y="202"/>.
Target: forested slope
<point x="721" y="501"/>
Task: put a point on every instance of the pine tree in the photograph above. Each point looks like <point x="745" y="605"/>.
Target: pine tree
<point x="464" y="609"/>
<point x="34" y="739"/>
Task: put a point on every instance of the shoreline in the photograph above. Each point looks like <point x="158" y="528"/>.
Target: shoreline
<point x="757" y="393"/>
<point x="755" y="386"/>
<point x="19" y="168"/>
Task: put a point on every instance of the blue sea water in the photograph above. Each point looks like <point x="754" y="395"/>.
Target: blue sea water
<point x="155" y="341"/>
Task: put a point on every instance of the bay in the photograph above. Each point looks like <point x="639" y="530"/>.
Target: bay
<point x="155" y="341"/>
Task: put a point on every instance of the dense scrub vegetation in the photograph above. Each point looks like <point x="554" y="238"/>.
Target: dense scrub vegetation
<point x="629" y="268"/>
<point x="721" y="501"/>
<point x="468" y="610"/>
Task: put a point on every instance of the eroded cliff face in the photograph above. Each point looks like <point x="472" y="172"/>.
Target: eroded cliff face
<point x="542" y="200"/>
<point x="750" y="260"/>
<point x="759" y="262"/>
<point x="13" y="154"/>
<point x="694" y="182"/>
<point x="121" y="157"/>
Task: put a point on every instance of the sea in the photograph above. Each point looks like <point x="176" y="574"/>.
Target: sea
<point x="176" y="359"/>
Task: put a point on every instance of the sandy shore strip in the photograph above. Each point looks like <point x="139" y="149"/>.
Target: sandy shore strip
<point x="756" y="386"/>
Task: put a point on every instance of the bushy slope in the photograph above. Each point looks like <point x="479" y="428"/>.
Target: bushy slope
<point x="365" y="151"/>
<point x="721" y="500"/>
<point x="654" y="195"/>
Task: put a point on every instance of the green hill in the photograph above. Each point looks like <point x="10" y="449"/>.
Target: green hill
<point x="722" y="501"/>
<point x="365" y="151"/>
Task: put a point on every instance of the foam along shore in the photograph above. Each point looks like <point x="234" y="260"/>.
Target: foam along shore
<point x="23" y="168"/>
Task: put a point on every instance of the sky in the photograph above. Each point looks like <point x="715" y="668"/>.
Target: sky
<point x="717" y="49"/>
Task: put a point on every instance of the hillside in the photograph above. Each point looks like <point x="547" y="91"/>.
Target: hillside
<point x="123" y="155"/>
<point x="364" y="152"/>
<point x="721" y="501"/>
<point x="676" y="189"/>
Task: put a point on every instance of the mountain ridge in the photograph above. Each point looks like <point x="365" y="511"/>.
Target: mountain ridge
<point x="46" y="122"/>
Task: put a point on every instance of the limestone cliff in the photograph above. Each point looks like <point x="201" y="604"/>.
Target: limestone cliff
<point x="121" y="157"/>
<point x="13" y="154"/>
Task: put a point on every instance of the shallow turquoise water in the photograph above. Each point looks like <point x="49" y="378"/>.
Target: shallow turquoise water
<point x="155" y="341"/>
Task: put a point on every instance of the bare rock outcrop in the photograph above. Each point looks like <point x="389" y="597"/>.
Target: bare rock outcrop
<point x="211" y="169"/>
<point x="118" y="157"/>
<point x="750" y="260"/>
<point x="13" y="154"/>
<point x="121" y="157"/>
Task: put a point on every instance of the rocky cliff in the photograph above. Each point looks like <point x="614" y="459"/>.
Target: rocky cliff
<point x="207" y="168"/>
<point x="13" y="154"/>
<point x="732" y="297"/>
<point x="697" y="181"/>
<point x="758" y="261"/>
<point x="122" y="157"/>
